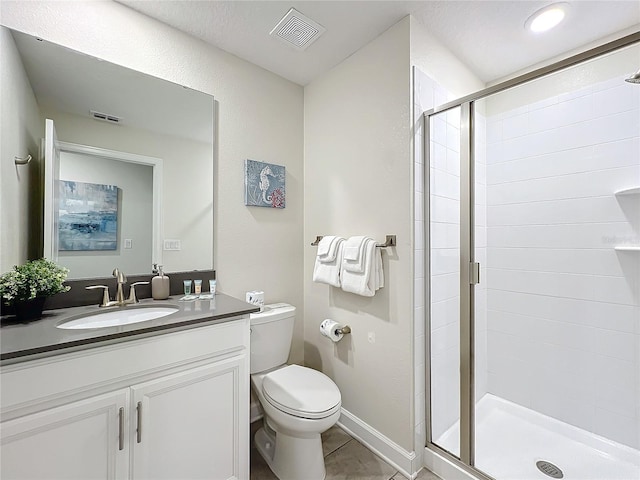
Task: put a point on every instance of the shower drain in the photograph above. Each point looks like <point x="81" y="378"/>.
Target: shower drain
<point x="549" y="469"/>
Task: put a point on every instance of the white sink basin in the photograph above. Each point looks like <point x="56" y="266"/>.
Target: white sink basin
<point x="119" y="317"/>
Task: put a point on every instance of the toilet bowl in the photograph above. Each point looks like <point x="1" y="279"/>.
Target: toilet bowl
<point x="299" y="403"/>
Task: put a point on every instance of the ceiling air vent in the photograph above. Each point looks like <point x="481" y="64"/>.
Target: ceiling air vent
<point x="297" y="30"/>
<point x="105" y="117"/>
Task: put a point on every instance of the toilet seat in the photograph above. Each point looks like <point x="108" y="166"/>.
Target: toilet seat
<point x="301" y="392"/>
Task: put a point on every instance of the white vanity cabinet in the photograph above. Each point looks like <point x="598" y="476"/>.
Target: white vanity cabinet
<point x="78" y="440"/>
<point x="170" y="406"/>
<point x="187" y="424"/>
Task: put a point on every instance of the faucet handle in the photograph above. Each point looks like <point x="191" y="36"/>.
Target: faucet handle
<point x="132" y="292"/>
<point x="105" y="295"/>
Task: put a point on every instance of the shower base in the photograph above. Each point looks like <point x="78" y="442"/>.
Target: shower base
<point x="510" y="439"/>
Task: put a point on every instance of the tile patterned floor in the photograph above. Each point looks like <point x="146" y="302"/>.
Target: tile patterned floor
<point x="345" y="459"/>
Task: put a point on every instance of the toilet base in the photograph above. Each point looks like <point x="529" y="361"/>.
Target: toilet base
<point x="291" y="458"/>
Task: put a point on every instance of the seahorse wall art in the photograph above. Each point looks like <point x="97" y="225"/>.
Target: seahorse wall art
<point x="264" y="184"/>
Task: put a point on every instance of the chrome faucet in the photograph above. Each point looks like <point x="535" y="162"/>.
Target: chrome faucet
<point x="119" y="301"/>
<point x="121" y="279"/>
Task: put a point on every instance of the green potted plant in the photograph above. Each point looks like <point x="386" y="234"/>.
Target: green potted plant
<point x="27" y="286"/>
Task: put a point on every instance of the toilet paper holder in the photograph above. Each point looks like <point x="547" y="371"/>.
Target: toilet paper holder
<point x="344" y="330"/>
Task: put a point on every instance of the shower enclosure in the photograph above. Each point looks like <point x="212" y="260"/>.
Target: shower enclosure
<point x="533" y="229"/>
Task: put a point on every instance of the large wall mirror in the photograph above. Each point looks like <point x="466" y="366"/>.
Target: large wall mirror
<point x="127" y="161"/>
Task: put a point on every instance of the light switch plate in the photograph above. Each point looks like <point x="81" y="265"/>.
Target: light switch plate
<point x="128" y="243"/>
<point x="170" y="244"/>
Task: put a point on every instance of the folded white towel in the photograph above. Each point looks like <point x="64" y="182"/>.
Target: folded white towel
<point x="364" y="283"/>
<point x="379" y="270"/>
<point x="354" y="254"/>
<point x="327" y="248"/>
<point x="324" y="245"/>
<point x="329" y="271"/>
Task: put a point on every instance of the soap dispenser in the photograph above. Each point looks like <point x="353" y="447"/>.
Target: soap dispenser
<point x="160" y="285"/>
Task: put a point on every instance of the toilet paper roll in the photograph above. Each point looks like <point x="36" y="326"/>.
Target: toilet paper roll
<point x="329" y="329"/>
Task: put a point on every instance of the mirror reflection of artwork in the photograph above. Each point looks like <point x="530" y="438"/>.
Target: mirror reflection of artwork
<point x="264" y="184"/>
<point x="88" y="216"/>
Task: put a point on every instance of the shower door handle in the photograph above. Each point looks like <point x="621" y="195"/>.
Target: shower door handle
<point x="474" y="273"/>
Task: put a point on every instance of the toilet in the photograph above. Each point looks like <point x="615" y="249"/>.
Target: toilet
<point x="299" y="403"/>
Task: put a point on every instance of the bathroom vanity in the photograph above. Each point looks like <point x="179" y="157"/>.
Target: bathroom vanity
<point x="164" y="398"/>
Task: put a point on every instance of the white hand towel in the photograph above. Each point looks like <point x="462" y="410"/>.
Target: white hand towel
<point x="354" y="254"/>
<point x="329" y="272"/>
<point x="327" y="248"/>
<point x="379" y="270"/>
<point x="325" y="245"/>
<point x="363" y="283"/>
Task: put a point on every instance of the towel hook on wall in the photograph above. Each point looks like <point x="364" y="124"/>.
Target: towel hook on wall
<point x="22" y="161"/>
<point x="390" y="241"/>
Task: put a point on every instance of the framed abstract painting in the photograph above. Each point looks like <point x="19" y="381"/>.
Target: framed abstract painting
<point x="87" y="216"/>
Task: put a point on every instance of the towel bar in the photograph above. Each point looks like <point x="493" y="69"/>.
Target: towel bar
<point x="390" y="241"/>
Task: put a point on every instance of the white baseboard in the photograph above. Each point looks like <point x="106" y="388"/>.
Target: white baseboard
<point x="444" y="468"/>
<point x="379" y="444"/>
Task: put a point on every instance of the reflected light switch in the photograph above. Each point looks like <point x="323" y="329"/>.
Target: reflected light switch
<point x="172" y="244"/>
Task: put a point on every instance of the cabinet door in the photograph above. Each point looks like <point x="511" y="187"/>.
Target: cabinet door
<point x="83" y="440"/>
<point x="194" y="424"/>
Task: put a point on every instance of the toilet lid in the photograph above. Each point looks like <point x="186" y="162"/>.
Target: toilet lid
<point x="302" y="392"/>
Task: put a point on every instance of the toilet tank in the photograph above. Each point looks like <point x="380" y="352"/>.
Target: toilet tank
<point x="271" y="334"/>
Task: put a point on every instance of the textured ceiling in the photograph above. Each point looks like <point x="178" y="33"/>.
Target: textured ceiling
<point x="488" y="36"/>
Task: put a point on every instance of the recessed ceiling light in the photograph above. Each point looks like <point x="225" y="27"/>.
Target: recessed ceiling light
<point x="546" y="18"/>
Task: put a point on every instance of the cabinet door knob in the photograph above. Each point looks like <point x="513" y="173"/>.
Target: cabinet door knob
<point x="139" y="429"/>
<point x="121" y="429"/>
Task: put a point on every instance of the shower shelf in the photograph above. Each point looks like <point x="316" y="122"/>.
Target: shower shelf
<point x="628" y="248"/>
<point x="629" y="191"/>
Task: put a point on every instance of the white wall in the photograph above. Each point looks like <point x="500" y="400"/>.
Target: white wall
<point x="435" y="60"/>
<point x="259" y="116"/>
<point x="564" y="337"/>
<point x="20" y="135"/>
<point x="365" y="161"/>
<point x="358" y="182"/>
<point x="135" y="214"/>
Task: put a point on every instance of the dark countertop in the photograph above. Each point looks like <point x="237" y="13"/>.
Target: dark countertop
<point x="26" y="341"/>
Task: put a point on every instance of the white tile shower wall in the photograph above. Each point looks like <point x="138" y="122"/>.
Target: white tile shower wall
<point x="480" y="238"/>
<point x="563" y="306"/>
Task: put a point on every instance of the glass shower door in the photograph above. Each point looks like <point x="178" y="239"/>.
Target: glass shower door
<point x="557" y="344"/>
<point x="444" y="266"/>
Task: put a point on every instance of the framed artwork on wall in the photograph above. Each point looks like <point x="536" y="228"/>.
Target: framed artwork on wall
<point x="264" y="184"/>
<point x="87" y="216"/>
